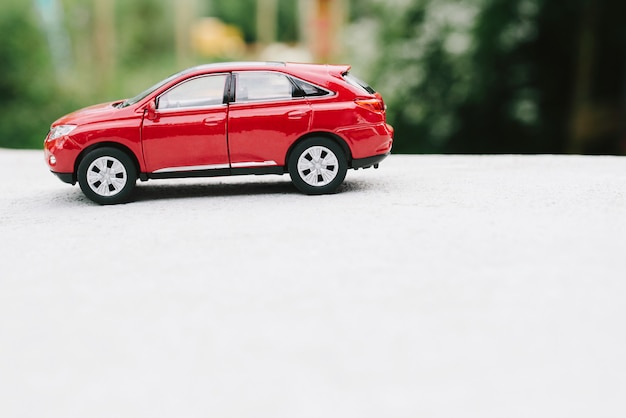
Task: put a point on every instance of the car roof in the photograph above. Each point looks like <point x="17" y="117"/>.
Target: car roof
<point x="235" y="65"/>
<point x="290" y="67"/>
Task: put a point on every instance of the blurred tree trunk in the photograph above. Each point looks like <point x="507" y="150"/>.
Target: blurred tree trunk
<point x="266" y="21"/>
<point x="104" y="42"/>
<point x="185" y="12"/>
<point x="582" y="113"/>
<point x="321" y="23"/>
<point x="595" y="125"/>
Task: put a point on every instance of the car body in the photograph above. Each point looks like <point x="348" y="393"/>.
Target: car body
<point x="309" y="120"/>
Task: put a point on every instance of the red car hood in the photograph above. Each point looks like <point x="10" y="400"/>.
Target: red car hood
<point x="88" y="114"/>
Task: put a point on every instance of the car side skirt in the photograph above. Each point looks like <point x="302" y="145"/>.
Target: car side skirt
<point x="221" y="172"/>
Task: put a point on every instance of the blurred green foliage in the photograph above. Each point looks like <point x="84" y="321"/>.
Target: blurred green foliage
<point x="459" y="76"/>
<point x="145" y="31"/>
<point x="498" y="76"/>
<point x="241" y="13"/>
<point x="27" y="99"/>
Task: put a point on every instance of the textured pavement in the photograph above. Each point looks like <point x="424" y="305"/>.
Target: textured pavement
<point x="436" y="286"/>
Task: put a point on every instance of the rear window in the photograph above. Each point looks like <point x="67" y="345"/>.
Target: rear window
<point x="310" y="90"/>
<point x="358" y="83"/>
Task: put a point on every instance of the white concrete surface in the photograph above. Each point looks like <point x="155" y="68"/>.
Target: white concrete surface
<point x="436" y="286"/>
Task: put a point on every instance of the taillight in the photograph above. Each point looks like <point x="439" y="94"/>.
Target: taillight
<point x="375" y="105"/>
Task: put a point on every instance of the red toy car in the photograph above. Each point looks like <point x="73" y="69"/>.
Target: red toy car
<point x="312" y="121"/>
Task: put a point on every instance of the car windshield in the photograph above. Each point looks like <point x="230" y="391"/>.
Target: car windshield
<point x="149" y="91"/>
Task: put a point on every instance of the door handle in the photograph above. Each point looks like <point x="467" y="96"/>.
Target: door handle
<point x="213" y="120"/>
<point x="297" y="114"/>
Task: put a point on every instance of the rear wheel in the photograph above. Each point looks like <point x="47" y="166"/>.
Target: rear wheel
<point x="107" y="176"/>
<point x="317" y="166"/>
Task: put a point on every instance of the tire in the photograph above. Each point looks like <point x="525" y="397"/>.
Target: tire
<point x="107" y="176"/>
<point x="317" y="166"/>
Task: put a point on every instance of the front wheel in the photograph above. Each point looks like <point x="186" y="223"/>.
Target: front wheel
<point x="317" y="166"/>
<point x="107" y="176"/>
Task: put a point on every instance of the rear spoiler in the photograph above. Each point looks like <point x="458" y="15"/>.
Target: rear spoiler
<point x="338" y="70"/>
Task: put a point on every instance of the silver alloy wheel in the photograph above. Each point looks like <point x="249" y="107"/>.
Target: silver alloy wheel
<point x="106" y="176"/>
<point x="318" y="166"/>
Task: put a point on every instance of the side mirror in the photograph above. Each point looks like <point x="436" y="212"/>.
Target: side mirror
<point x="151" y="111"/>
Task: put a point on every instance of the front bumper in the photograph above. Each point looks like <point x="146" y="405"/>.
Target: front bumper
<point x="68" y="178"/>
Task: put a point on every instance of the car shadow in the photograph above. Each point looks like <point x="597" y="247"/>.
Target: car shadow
<point x="153" y="191"/>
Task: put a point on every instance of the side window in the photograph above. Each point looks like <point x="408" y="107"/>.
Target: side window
<point x="252" y="86"/>
<point x="197" y="92"/>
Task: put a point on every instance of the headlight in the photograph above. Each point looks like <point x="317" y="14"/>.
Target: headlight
<point x="60" y="130"/>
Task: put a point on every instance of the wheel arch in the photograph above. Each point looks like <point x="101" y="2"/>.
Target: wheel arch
<point x="106" y="144"/>
<point x="321" y="134"/>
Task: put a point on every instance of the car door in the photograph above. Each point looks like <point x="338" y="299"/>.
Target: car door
<point x="264" y="119"/>
<point x="188" y="130"/>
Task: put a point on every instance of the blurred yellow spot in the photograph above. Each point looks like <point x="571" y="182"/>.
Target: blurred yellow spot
<point x="210" y="37"/>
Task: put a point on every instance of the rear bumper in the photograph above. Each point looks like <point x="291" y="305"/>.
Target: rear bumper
<point x="368" y="161"/>
<point x="366" y="141"/>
